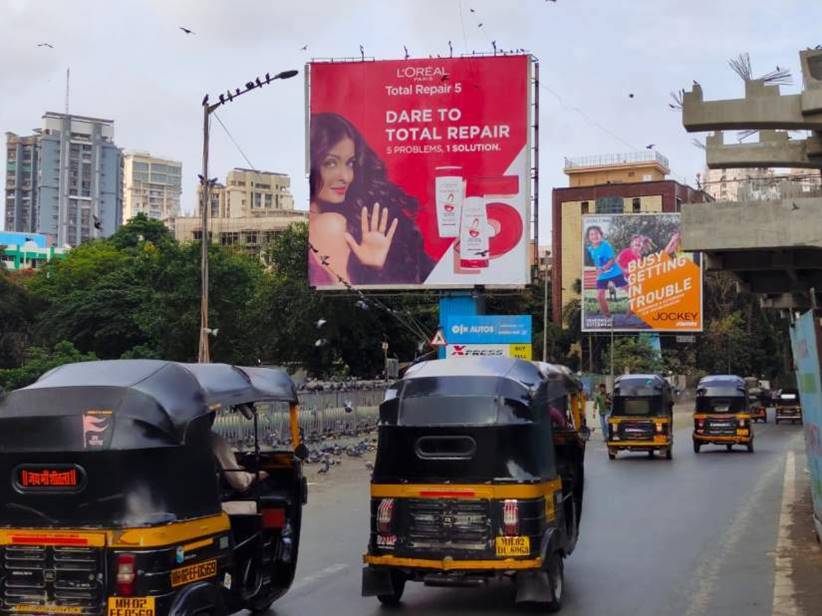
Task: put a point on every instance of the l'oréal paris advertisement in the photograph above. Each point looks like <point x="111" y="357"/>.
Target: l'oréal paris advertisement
<point x="635" y="276"/>
<point x="419" y="172"/>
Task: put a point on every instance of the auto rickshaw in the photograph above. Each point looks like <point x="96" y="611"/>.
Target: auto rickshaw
<point x="788" y="407"/>
<point x="758" y="403"/>
<point x="641" y="415"/>
<point x="112" y="502"/>
<point x="722" y="413"/>
<point x="478" y="476"/>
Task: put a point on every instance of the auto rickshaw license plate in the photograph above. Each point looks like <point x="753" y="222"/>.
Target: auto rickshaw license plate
<point x="513" y="546"/>
<point x="131" y="606"/>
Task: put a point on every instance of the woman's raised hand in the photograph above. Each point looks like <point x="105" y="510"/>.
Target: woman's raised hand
<point x="377" y="236"/>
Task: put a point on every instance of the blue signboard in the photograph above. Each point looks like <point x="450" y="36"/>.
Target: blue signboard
<point x="805" y="347"/>
<point x="488" y="329"/>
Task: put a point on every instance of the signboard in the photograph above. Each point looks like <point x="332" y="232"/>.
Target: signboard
<point x="635" y="276"/>
<point x="419" y="172"/>
<point x="805" y="338"/>
<point x="488" y="329"/>
<point x="520" y="351"/>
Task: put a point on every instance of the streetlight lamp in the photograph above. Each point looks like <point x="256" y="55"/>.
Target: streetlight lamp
<point x="203" y="355"/>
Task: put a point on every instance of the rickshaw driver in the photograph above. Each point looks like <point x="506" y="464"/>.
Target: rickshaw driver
<point x="237" y="477"/>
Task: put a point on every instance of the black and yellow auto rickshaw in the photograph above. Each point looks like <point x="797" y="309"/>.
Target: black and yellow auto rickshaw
<point x="641" y="415"/>
<point x="787" y="406"/>
<point x="758" y="404"/>
<point x="112" y="501"/>
<point x="473" y="482"/>
<point x="722" y="414"/>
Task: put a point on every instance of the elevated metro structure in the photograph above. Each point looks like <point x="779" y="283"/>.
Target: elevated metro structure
<point x="774" y="246"/>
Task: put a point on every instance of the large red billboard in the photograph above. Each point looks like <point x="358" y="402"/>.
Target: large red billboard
<point x="419" y="172"/>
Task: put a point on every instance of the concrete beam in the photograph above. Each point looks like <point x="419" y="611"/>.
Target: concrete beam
<point x="785" y="301"/>
<point x="774" y="149"/>
<point x="762" y="108"/>
<point x="786" y="224"/>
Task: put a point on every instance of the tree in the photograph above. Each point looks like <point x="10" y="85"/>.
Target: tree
<point x="16" y="320"/>
<point x="40" y="360"/>
<point x="632" y="354"/>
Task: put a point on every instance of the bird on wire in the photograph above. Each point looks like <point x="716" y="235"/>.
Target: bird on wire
<point x="450" y="49"/>
<point x="205" y="100"/>
<point x="362" y="52"/>
<point x="49" y="45"/>
<point x="405" y="49"/>
<point x="187" y="30"/>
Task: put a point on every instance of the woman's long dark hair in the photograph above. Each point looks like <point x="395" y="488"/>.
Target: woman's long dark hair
<point x="407" y="261"/>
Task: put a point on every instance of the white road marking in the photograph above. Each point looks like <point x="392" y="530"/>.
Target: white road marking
<point x="321" y="574"/>
<point x="784" y="597"/>
<point x="707" y="571"/>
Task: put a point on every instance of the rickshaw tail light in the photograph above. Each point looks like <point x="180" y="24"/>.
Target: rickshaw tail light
<point x="126" y="574"/>
<point x="385" y="515"/>
<point x="510" y="517"/>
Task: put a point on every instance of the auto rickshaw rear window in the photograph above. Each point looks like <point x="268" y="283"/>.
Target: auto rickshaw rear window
<point x="720" y="405"/>
<point x="640" y="406"/>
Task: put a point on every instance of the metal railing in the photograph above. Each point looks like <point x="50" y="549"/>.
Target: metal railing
<point x="323" y="413"/>
<point x="608" y="160"/>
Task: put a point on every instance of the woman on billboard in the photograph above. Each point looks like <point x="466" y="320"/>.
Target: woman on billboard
<point x="361" y="225"/>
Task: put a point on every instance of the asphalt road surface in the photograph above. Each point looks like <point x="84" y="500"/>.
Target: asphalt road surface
<point x="691" y="536"/>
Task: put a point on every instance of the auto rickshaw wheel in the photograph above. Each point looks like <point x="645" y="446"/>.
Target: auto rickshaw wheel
<point x="697" y="447"/>
<point x="750" y="447"/>
<point x="611" y="454"/>
<point x="651" y="453"/>
<point x="729" y="446"/>
<point x="669" y="453"/>
<point x="556" y="576"/>
<point x="398" y="584"/>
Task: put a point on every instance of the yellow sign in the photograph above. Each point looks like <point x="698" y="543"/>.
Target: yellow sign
<point x="131" y="606"/>
<point x="520" y="351"/>
<point x="513" y="546"/>
<point x="47" y="609"/>
<point x="192" y="573"/>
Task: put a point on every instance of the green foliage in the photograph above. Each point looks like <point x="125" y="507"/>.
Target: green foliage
<point x="38" y="361"/>
<point x="16" y="320"/>
<point x="632" y="354"/>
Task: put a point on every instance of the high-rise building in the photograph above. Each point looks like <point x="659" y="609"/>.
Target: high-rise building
<point x="66" y="180"/>
<point x="248" y="210"/>
<point x="630" y="183"/>
<point x="151" y="185"/>
<point x="761" y="184"/>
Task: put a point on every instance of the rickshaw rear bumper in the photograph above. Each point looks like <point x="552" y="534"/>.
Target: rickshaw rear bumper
<point x="448" y="564"/>
<point x="723" y="440"/>
<point x="640" y="445"/>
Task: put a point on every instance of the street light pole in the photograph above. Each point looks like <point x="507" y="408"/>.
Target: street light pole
<point x="203" y="354"/>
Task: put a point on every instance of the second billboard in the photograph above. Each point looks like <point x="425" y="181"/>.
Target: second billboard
<point x="635" y="276"/>
<point x="419" y="173"/>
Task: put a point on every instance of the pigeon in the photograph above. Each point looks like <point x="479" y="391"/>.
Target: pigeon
<point x="406" y="51"/>
<point x="480" y="25"/>
<point x="187" y="31"/>
<point x="794" y="207"/>
<point x="205" y="100"/>
<point x="369" y="466"/>
<point x="450" y="48"/>
<point x="630" y="95"/>
<point x="650" y="146"/>
<point x="472" y="10"/>
<point x="326" y="464"/>
<point x="98" y="224"/>
<point x="49" y="45"/>
<point x="321" y="322"/>
<point x="304" y="48"/>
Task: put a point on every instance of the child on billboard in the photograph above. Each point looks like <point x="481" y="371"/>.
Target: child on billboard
<point x="361" y="227"/>
<point x="607" y="269"/>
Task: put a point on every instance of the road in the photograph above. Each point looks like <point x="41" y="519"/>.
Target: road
<point x="692" y="536"/>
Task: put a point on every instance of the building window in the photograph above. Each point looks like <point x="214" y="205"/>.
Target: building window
<point x="610" y="205"/>
<point x="636" y="205"/>
<point x="585" y="207"/>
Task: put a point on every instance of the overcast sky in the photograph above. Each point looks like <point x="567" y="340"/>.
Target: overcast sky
<point x="131" y="63"/>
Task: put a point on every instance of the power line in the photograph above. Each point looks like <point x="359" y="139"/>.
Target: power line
<point x="236" y="145"/>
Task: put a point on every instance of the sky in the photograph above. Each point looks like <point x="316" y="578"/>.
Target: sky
<point x="131" y="63"/>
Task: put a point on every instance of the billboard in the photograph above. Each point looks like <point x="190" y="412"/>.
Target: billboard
<point x="419" y="172"/>
<point x="805" y="339"/>
<point x="519" y="351"/>
<point x="635" y="276"/>
<point x="488" y="329"/>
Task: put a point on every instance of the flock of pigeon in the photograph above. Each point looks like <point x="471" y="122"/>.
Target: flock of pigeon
<point x="330" y="450"/>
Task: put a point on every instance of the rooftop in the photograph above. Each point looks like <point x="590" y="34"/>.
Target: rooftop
<point x="600" y="161"/>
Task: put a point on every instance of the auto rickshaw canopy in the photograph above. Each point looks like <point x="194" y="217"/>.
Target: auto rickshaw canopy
<point x="142" y="403"/>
